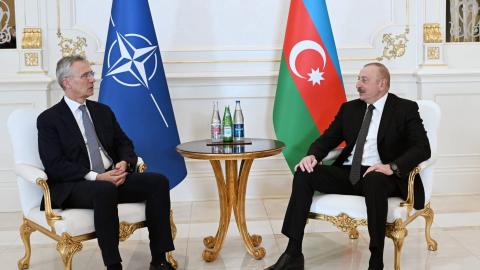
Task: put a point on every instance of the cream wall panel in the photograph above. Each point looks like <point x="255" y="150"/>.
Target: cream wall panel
<point x="462" y="133"/>
<point x="458" y="95"/>
<point x="350" y="31"/>
<point x="460" y="54"/>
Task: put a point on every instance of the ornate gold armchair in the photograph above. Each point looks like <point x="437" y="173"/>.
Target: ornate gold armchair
<point x="69" y="227"/>
<point x="347" y="212"/>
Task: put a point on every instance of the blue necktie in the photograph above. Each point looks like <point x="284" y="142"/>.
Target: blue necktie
<point x="360" y="144"/>
<point x="92" y="142"/>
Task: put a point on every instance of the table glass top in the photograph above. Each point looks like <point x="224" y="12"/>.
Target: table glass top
<point x="257" y="145"/>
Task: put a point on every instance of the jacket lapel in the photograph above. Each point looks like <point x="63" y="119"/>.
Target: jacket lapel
<point x="386" y="119"/>
<point x="354" y="121"/>
<point x="70" y="123"/>
<point x="359" y="113"/>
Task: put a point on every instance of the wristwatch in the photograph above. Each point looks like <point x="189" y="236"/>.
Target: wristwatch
<point x="394" y="168"/>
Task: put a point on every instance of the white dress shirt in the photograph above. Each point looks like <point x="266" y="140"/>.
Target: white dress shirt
<point x="370" y="151"/>
<point x="77" y="113"/>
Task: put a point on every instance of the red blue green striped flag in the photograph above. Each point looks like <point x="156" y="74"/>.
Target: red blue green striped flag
<point x="310" y="87"/>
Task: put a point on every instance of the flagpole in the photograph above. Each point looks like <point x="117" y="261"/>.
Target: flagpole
<point x="158" y="108"/>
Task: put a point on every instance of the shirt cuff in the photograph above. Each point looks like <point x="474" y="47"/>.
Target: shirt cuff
<point x="91" y="176"/>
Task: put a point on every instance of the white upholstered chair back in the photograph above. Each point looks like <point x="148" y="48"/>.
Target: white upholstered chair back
<point x="430" y="113"/>
<point x="22" y="127"/>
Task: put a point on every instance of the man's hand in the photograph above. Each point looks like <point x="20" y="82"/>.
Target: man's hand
<point x="117" y="176"/>
<point x="121" y="166"/>
<point x="382" y="168"/>
<point x="307" y="163"/>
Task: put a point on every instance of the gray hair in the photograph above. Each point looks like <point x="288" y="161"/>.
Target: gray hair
<point x="64" y="64"/>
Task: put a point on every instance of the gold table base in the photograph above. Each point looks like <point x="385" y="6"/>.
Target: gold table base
<point x="231" y="191"/>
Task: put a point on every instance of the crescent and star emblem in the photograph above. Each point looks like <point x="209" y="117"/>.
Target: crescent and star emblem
<point x="316" y="76"/>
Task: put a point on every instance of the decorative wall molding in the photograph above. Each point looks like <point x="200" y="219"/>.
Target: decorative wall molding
<point x="32" y="38"/>
<point x="433" y="46"/>
<point x="395" y="45"/>
<point x="32" y="59"/>
<point x="31" y="56"/>
<point x="71" y="46"/>
<point x="432" y="33"/>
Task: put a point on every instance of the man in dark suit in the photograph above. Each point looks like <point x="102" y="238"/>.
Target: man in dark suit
<point x="90" y="163"/>
<point x="385" y="139"/>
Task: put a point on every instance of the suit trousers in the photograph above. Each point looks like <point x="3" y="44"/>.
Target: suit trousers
<point x="375" y="187"/>
<point x="103" y="197"/>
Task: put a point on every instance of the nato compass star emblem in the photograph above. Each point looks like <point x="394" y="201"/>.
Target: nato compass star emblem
<point x="133" y="66"/>
<point x="132" y="60"/>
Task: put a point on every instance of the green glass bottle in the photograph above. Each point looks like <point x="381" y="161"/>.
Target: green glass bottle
<point x="227" y="125"/>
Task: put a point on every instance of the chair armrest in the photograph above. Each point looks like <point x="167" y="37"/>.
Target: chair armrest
<point x="141" y="166"/>
<point x="332" y="155"/>
<point x="39" y="177"/>
<point x="411" y="180"/>
<point x="408" y="203"/>
<point x="427" y="163"/>
<point x="29" y="173"/>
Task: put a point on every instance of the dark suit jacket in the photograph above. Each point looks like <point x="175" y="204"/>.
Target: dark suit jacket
<point x="401" y="139"/>
<point x="63" y="151"/>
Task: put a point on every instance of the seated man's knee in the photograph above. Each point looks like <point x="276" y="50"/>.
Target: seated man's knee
<point x="158" y="181"/>
<point x="303" y="178"/>
<point x="105" y="189"/>
<point x="374" y="180"/>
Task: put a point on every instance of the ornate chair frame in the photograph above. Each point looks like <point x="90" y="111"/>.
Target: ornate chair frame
<point x="396" y="230"/>
<point x="67" y="245"/>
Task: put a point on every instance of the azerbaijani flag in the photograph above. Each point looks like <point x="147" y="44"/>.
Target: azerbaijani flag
<point x="310" y="88"/>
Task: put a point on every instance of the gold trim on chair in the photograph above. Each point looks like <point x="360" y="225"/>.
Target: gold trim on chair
<point x="49" y="214"/>
<point x="397" y="230"/>
<point x="127" y="229"/>
<point x="25" y="232"/>
<point x="428" y="214"/>
<point x="68" y="245"/>
<point x="343" y="222"/>
<point x="410" y="199"/>
<point x="170" y="257"/>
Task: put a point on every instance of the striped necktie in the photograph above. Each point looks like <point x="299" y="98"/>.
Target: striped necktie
<point x="92" y="142"/>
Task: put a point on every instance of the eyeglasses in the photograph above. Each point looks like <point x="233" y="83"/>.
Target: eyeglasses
<point x="86" y="75"/>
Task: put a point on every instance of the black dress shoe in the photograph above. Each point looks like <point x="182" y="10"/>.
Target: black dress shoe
<point x="287" y="262"/>
<point x="162" y="266"/>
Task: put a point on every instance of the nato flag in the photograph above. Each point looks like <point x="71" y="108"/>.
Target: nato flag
<point x="134" y="86"/>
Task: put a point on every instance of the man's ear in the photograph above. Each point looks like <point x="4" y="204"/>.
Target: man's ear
<point x="383" y="83"/>
<point x="65" y="83"/>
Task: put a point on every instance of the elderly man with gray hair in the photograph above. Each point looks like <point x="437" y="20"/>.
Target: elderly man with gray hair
<point x="90" y="164"/>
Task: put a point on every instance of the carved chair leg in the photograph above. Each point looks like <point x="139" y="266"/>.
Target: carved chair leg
<point x="397" y="232"/>
<point x="172" y="260"/>
<point x="428" y="214"/>
<point x="67" y="247"/>
<point x="172" y="225"/>
<point x="25" y="232"/>
<point x="170" y="257"/>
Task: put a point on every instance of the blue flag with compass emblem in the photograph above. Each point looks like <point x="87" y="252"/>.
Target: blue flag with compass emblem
<point x="134" y="86"/>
